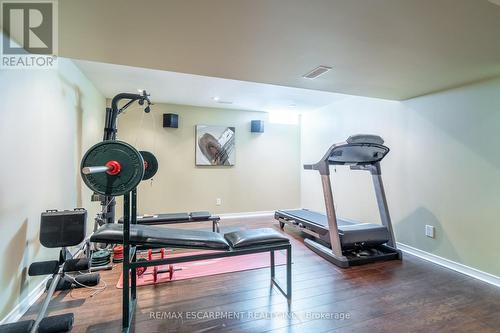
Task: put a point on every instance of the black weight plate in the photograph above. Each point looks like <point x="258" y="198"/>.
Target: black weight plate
<point x="150" y="163"/>
<point x="100" y="259"/>
<point x="132" y="168"/>
<point x="94" y="262"/>
<point x="100" y="263"/>
<point x="101" y="254"/>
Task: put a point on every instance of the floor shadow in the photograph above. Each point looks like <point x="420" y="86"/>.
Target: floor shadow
<point x="108" y="326"/>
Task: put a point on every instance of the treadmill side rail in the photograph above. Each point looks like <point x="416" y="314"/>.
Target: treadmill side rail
<point x="386" y="253"/>
<point x="383" y="208"/>
<point x="331" y="216"/>
<point x="326" y="253"/>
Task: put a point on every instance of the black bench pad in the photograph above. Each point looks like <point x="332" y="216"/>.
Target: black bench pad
<point x="200" y="215"/>
<point x="254" y="237"/>
<point x="158" y="218"/>
<point x="159" y="236"/>
<point x="172" y="218"/>
<point x="150" y="236"/>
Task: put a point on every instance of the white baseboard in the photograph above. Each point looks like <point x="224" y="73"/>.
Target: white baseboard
<point x="246" y="214"/>
<point x="20" y="309"/>
<point x="461" y="268"/>
<point x="264" y="213"/>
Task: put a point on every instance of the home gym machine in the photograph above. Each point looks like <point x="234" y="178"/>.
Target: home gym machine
<point x="343" y="242"/>
<point x="107" y="214"/>
<point x="114" y="168"/>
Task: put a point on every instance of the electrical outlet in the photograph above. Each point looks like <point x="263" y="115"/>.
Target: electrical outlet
<point x="430" y="231"/>
<point x="218" y="201"/>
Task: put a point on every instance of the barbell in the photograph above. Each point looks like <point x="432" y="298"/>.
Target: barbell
<point x="111" y="168"/>
<point x="114" y="168"/>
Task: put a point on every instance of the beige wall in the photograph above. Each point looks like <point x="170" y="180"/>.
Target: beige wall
<point x="265" y="177"/>
<point x="443" y="168"/>
<point x="48" y="118"/>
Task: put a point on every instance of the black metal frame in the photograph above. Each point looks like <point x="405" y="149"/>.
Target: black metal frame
<point x="108" y="203"/>
<point x="214" y="219"/>
<point x="130" y="263"/>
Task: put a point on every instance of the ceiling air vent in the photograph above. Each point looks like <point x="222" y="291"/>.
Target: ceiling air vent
<point x="320" y="70"/>
<point x="224" y="102"/>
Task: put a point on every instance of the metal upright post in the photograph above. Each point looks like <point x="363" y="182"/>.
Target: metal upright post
<point x="126" y="261"/>
<point x="331" y="216"/>
<point x="383" y="208"/>
<point x="134" y="255"/>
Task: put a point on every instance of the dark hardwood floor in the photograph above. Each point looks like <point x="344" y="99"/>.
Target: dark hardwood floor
<point x="396" y="296"/>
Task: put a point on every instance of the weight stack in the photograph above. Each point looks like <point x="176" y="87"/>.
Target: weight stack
<point x="101" y="258"/>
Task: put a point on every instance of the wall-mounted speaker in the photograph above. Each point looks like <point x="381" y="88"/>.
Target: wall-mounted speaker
<point x="257" y="126"/>
<point x="170" y="120"/>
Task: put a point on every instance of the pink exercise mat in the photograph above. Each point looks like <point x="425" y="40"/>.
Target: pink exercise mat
<point x="208" y="267"/>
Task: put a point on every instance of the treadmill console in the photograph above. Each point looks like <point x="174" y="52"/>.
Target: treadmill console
<point x="357" y="153"/>
<point x="365" y="138"/>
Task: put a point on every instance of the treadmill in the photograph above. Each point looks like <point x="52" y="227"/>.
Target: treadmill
<point x="345" y="242"/>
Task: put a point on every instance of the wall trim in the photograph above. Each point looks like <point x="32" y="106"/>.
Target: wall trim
<point x="461" y="268"/>
<point x="264" y="213"/>
<point x="20" y="309"/>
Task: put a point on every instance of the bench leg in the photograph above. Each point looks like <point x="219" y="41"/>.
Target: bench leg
<point x="289" y="273"/>
<point x="216" y="226"/>
<point x="272" y="264"/>
<point x="288" y="293"/>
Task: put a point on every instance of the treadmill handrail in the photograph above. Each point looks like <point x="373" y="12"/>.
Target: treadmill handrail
<point x="323" y="165"/>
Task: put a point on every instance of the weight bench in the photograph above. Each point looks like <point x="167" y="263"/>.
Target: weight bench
<point x="230" y="244"/>
<point x="174" y="218"/>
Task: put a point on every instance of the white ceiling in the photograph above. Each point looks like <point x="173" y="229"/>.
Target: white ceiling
<point x="188" y="89"/>
<point x="393" y="49"/>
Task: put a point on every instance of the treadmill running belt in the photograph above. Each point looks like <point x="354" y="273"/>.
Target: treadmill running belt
<point x="351" y="233"/>
<point x="314" y="217"/>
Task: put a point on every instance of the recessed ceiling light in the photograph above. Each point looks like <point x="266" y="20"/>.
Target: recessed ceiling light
<point x="216" y="98"/>
<point x="320" y="70"/>
<point x="496" y="2"/>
